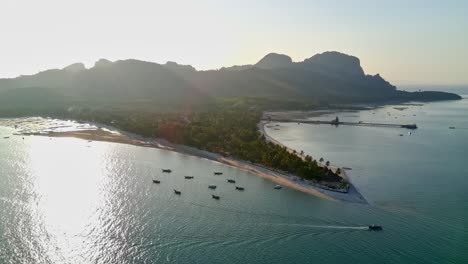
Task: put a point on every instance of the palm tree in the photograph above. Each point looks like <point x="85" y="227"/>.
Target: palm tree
<point x="338" y="171"/>
<point x="321" y="160"/>
<point x="327" y="163"/>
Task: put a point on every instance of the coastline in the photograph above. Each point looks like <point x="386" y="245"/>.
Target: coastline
<point x="114" y="135"/>
<point x="352" y="195"/>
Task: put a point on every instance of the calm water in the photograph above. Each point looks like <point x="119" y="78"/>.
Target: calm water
<point x="72" y="201"/>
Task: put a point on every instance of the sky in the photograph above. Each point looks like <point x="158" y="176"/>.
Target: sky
<point x="406" y="41"/>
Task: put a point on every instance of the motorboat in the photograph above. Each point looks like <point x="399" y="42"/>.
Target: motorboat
<point x="375" y="228"/>
<point x="218" y="173"/>
<point x="177" y="192"/>
<point x="156" y="181"/>
<point x="240" y="188"/>
<point x="277" y="187"/>
<point x="231" y="181"/>
<point x="216" y="197"/>
<point x="167" y="170"/>
<point x="211" y="186"/>
<point x="189" y="177"/>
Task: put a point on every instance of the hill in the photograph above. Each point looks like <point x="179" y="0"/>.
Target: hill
<point x="330" y="77"/>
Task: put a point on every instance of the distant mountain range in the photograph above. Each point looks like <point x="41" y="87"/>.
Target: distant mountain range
<point x="330" y="77"/>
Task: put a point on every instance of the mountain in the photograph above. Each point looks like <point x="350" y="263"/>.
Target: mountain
<point x="330" y="77"/>
<point x="76" y="67"/>
<point x="274" y="61"/>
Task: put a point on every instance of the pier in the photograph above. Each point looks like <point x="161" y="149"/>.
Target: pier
<point x="338" y="123"/>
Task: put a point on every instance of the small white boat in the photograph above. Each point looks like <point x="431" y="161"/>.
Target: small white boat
<point x="277" y="187"/>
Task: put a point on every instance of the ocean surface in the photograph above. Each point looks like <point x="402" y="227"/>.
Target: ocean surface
<point x="65" y="200"/>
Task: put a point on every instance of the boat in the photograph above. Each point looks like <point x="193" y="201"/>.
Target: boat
<point x="240" y="188"/>
<point x="375" y="228"/>
<point x="218" y="173"/>
<point x="452" y="127"/>
<point x="216" y="197"/>
<point x="211" y="186"/>
<point x="277" y="187"/>
<point x="401" y="135"/>
<point x="410" y="126"/>
<point x="231" y="181"/>
<point x="156" y="181"/>
<point x="177" y="192"/>
<point x="167" y="170"/>
<point x="6" y="137"/>
<point x="189" y="177"/>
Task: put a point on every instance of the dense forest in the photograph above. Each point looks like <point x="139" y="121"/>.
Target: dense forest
<point x="227" y="127"/>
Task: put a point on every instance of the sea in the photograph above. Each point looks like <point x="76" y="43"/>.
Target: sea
<point x="67" y="200"/>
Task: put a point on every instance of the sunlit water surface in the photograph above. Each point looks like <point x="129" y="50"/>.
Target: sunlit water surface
<point x="65" y="200"/>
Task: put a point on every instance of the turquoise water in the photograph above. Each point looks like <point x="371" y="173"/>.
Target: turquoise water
<point x="66" y="200"/>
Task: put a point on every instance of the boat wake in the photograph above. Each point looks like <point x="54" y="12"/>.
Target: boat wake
<point x="326" y="226"/>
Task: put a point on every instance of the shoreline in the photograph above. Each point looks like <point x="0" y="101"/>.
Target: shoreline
<point x="353" y="195"/>
<point x="108" y="134"/>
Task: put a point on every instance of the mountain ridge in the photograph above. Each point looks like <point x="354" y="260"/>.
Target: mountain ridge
<point x="329" y="77"/>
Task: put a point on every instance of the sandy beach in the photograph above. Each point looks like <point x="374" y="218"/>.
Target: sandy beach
<point x="281" y="178"/>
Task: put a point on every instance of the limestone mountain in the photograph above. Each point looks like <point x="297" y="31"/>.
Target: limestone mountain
<point x="330" y="77"/>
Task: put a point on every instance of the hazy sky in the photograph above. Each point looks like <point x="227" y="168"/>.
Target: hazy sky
<point x="406" y="41"/>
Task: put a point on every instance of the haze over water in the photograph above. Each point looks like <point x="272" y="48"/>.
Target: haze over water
<point x="72" y="201"/>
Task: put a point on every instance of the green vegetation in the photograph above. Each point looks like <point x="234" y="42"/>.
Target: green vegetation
<point x="224" y="126"/>
<point x="227" y="127"/>
<point x="234" y="133"/>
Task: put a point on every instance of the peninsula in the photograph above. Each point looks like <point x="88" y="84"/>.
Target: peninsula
<point x="216" y="112"/>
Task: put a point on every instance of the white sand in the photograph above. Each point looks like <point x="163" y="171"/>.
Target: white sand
<point x="283" y="179"/>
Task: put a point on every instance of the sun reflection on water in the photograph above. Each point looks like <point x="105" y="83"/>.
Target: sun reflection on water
<point x="67" y="179"/>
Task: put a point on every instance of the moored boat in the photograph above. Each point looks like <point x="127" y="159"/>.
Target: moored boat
<point x="231" y="181"/>
<point x="218" y="173"/>
<point x="216" y="197"/>
<point x="212" y="186"/>
<point x="156" y="181"/>
<point x="188" y="177"/>
<point x="177" y="192"/>
<point x="167" y="170"/>
<point x="277" y="187"/>
<point x="240" y="188"/>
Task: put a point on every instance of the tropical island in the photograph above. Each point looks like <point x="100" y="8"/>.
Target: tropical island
<point x="217" y="111"/>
